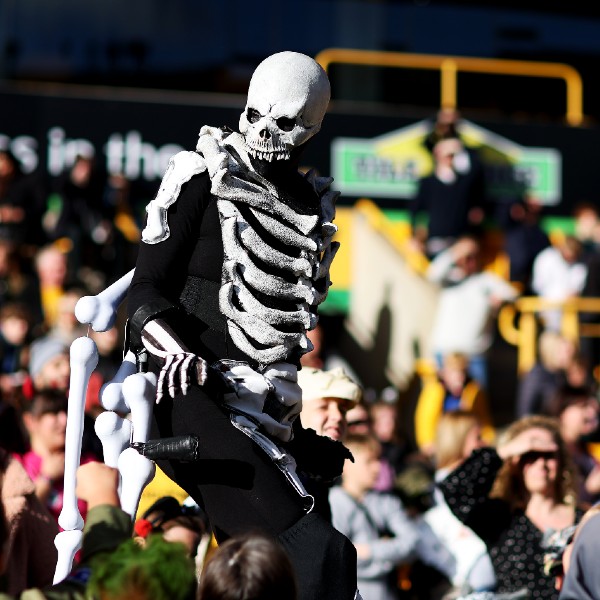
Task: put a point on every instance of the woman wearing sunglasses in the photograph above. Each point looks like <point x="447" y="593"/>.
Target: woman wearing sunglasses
<point x="513" y="497"/>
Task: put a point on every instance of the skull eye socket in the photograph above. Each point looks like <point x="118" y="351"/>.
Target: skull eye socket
<point x="252" y="115"/>
<point x="285" y="123"/>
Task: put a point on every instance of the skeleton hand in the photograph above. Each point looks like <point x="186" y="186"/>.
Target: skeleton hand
<point x="180" y="368"/>
<point x="178" y="372"/>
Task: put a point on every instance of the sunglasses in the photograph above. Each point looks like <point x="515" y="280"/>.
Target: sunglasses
<point x="534" y="455"/>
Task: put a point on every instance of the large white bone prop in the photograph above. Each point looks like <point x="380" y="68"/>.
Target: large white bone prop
<point x="101" y="311"/>
<point x="111" y="394"/>
<point x="139" y="391"/>
<point x="84" y="358"/>
<point x="115" y="434"/>
<point x="67" y="543"/>
<point x="136" y="472"/>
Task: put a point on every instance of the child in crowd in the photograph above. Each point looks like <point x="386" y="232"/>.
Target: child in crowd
<point x="451" y="390"/>
<point x="377" y="525"/>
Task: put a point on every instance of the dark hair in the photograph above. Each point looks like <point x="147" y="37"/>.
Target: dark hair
<point x="248" y="567"/>
<point x="568" y="395"/>
<point x="47" y="401"/>
<point x="15" y="309"/>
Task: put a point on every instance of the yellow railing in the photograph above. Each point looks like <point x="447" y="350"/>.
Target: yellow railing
<point x="449" y="66"/>
<point x="397" y="234"/>
<point x="524" y="335"/>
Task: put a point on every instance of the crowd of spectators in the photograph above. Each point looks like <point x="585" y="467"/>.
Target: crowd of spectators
<point x="455" y="506"/>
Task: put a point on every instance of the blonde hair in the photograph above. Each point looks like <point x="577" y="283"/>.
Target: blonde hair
<point x="452" y="431"/>
<point x="455" y="360"/>
<point x="509" y="485"/>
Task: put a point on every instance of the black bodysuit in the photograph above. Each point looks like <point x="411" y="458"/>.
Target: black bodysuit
<point x="235" y="482"/>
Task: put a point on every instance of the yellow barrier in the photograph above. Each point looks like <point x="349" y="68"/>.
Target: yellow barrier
<point x="524" y="336"/>
<point x="449" y="66"/>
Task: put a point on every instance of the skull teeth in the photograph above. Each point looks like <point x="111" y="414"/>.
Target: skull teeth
<point x="269" y="156"/>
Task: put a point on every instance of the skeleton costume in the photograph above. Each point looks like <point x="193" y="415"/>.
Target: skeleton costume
<point x="233" y="263"/>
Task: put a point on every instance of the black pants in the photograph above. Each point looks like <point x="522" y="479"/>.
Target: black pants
<point x="242" y="490"/>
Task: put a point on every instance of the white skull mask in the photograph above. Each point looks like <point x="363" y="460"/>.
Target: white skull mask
<point x="287" y="99"/>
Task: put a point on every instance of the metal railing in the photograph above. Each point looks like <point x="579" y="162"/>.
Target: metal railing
<point x="525" y="334"/>
<point x="449" y="66"/>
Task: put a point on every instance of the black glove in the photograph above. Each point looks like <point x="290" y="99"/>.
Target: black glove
<point x="318" y="456"/>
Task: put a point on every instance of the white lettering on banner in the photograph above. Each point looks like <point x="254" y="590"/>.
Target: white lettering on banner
<point x="128" y="154"/>
<point x="24" y="147"/>
<point x="62" y="152"/>
<point x="134" y="158"/>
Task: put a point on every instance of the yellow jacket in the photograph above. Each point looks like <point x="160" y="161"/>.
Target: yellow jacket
<point x="430" y="407"/>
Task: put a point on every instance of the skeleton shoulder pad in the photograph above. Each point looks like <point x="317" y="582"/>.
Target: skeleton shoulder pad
<point x="182" y="167"/>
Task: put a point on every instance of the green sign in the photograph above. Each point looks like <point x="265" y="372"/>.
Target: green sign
<point x="390" y="166"/>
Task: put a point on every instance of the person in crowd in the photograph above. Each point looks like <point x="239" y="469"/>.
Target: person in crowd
<point x="66" y="327"/>
<point x="453" y="389"/>
<point x="524" y="238"/>
<point x="249" y="567"/>
<point x="511" y="496"/>
<point x="394" y="445"/>
<point x="377" y="524"/>
<point x="586" y="222"/>
<point x="84" y="217"/>
<point x="578" y="411"/>
<point x="175" y="522"/>
<point x="50" y="369"/>
<point x="467" y="301"/>
<point x="453" y="200"/>
<point x="49" y="366"/>
<point x="537" y="389"/>
<point x="558" y="274"/>
<point x="579" y="577"/>
<point x="444" y="126"/>
<point x="458" y="434"/>
<point x="15" y="330"/>
<point x="53" y="277"/>
<point x="22" y="203"/>
<point x="326" y="398"/>
<point x="358" y="419"/>
<point x="27" y="552"/>
<point x="45" y="419"/>
<point x="587" y="230"/>
<point x="112" y="565"/>
<point x="18" y="282"/>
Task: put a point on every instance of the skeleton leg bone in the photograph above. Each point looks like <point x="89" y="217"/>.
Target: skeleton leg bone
<point x="84" y="358"/>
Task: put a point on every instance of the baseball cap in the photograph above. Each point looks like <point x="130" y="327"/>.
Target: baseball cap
<point x="335" y="383"/>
